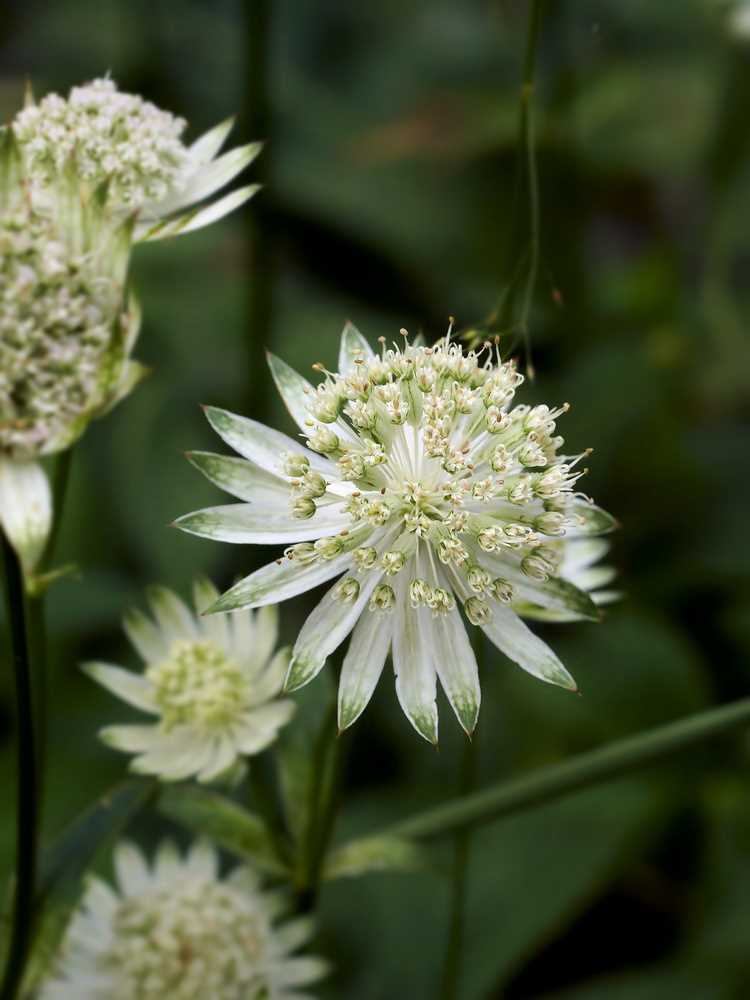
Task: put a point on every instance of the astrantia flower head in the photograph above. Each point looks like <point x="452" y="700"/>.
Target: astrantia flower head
<point x="176" y="930"/>
<point x="429" y="493"/>
<point x="213" y="683"/>
<point x="66" y="326"/>
<point x="134" y="148"/>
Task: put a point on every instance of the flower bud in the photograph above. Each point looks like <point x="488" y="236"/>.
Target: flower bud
<point x="347" y="590"/>
<point x="383" y="598"/>
<point x="502" y="591"/>
<point x="314" y="485"/>
<point x="477" y="611"/>
<point x="303" y="508"/>
<point x="324" y="441"/>
<point x="392" y="562"/>
<point x="295" y="463"/>
<point x="365" y="557"/>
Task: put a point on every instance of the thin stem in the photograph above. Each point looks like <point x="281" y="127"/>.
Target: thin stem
<point x="526" y="169"/>
<point x="60" y="480"/>
<point x="459" y="879"/>
<point x="27" y="797"/>
<point x="578" y="772"/>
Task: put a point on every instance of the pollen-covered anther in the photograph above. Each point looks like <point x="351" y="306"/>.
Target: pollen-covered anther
<point x="295" y="463"/>
<point x="329" y="548"/>
<point x="502" y="591"/>
<point x="393" y="562"/>
<point x="324" y="441"/>
<point x="303" y="508"/>
<point x="477" y="611"/>
<point x="365" y="557"/>
<point x="478" y="579"/>
<point x="441" y="601"/>
<point x="383" y="598"/>
<point x="347" y="590"/>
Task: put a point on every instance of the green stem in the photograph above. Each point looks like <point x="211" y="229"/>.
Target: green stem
<point x="27" y="797"/>
<point x="459" y="879"/>
<point x="578" y="772"/>
<point x="461" y="851"/>
<point x="60" y="480"/>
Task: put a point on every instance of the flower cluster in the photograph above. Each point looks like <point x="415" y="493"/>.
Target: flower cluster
<point x="429" y="490"/>
<point x="64" y="333"/>
<point x="175" y="929"/>
<point x="133" y="151"/>
<point x="212" y="682"/>
<point x="133" y="145"/>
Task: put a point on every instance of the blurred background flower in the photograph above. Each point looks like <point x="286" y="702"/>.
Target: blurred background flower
<point x="390" y="135"/>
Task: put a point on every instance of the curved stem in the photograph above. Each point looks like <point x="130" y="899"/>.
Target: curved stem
<point x="27" y="780"/>
<point x="578" y="772"/>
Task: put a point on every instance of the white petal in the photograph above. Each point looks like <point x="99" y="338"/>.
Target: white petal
<point x="261" y="725"/>
<point x="196" y="218"/>
<point x="206" y="146"/>
<point x="131" y="869"/>
<point x="203" y="860"/>
<point x="175" y="755"/>
<point x="280" y="580"/>
<point x="216" y="627"/>
<point x="241" y="478"/>
<point x="414" y="665"/>
<point x="592" y="520"/>
<point x="363" y="664"/>
<point x="261" y="444"/>
<point x="456" y="667"/>
<point x="256" y="524"/>
<point x="223" y="756"/>
<point x="294" y="933"/>
<point x="300" y="971"/>
<point x="325" y="629"/>
<point x="172" y="614"/>
<point x="101" y="899"/>
<point x="353" y="346"/>
<point x="145" y="637"/>
<point x="130" y="738"/>
<point x="270" y="681"/>
<point x="25" y="509"/>
<point x="132" y="688"/>
<point x="512" y="637"/>
<point x="297" y="392"/>
<point x="209" y="178"/>
<point x="167" y="863"/>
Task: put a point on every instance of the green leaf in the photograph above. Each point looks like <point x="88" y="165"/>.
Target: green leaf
<point x="373" y="854"/>
<point x="224" y="821"/>
<point x="64" y="865"/>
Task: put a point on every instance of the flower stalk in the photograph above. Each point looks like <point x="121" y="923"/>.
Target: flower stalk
<point x="27" y="778"/>
<point x="581" y="771"/>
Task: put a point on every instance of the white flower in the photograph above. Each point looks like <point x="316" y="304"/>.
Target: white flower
<point x="438" y="494"/>
<point x="213" y="682"/>
<point x="66" y="334"/>
<point x="137" y="149"/>
<point x="176" y="931"/>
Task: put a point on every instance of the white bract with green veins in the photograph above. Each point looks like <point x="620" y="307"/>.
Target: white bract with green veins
<point x="175" y="930"/>
<point x="136" y="149"/>
<point x="67" y="329"/>
<point x="428" y="492"/>
<point x="213" y="682"/>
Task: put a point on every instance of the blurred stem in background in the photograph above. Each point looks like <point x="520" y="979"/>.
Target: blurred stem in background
<point x="27" y="778"/>
<point x="461" y="855"/>
<point x="257" y="120"/>
<point x="571" y="775"/>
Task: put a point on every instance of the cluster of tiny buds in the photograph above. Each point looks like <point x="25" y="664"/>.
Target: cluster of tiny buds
<point x="109" y="135"/>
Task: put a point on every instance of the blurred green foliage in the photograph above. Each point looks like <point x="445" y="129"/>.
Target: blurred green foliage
<point x="391" y="131"/>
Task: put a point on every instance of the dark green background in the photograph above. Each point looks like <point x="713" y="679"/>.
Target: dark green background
<point x="391" y="134"/>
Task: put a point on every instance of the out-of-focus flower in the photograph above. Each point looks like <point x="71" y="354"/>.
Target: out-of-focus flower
<point x="428" y="491"/>
<point x="175" y="930"/>
<point x="67" y="330"/>
<point x="108" y="136"/>
<point x="213" y="683"/>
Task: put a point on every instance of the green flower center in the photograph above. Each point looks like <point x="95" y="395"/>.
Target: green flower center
<point x="198" y="684"/>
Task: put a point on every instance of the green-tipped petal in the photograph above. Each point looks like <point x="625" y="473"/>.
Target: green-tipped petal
<point x="278" y="581"/>
<point x="253" y="524"/>
<point x="325" y="629"/>
<point x="241" y="478"/>
<point x="506" y="630"/>
<point x="363" y="665"/>
<point x="353" y="348"/>
<point x="206" y="146"/>
<point x="457" y="668"/>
